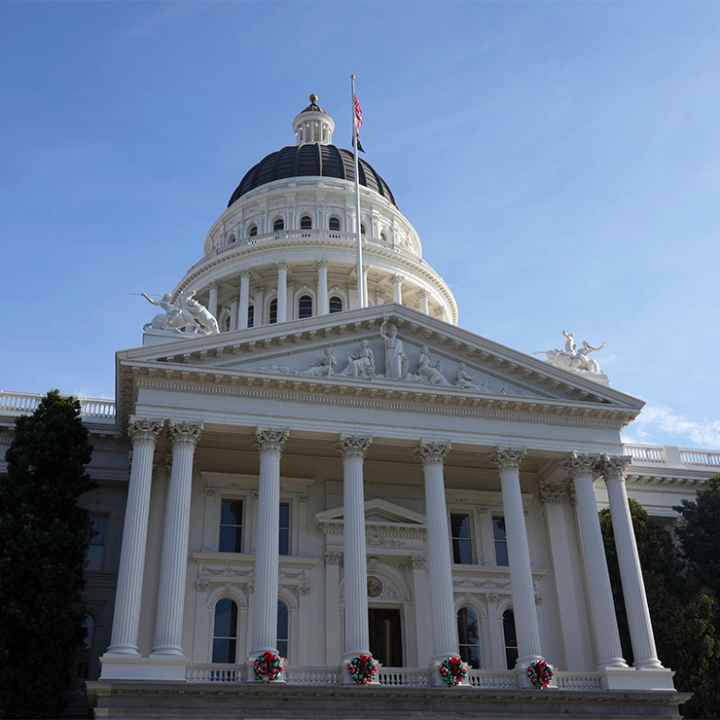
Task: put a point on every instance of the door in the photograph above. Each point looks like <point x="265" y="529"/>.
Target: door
<point x="386" y="636"/>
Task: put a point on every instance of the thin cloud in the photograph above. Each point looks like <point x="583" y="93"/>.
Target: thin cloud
<point x="661" y="420"/>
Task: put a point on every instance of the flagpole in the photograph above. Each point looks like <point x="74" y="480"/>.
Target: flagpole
<point x="362" y="300"/>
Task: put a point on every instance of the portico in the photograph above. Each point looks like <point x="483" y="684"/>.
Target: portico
<point x="373" y="501"/>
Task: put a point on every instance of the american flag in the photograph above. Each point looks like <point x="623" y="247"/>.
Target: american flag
<point x="358" y="121"/>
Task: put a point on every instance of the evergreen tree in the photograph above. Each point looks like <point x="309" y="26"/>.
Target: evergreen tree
<point x="682" y="614"/>
<point x="44" y="536"/>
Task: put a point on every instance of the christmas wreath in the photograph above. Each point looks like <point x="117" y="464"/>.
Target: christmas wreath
<point x="363" y="668"/>
<point x="453" y="670"/>
<point x="268" y="666"/>
<point x="540" y="674"/>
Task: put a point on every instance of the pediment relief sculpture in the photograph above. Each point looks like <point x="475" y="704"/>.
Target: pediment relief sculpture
<point x="184" y="315"/>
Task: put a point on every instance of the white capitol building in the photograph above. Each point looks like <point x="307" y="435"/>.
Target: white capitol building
<point x="325" y="481"/>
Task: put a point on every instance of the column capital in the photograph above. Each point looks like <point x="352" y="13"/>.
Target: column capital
<point x="432" y="451"/>
<point x="268" y="439"/>
<point x="185" y="432"/>
<point x="281" y="266"/>
<point x="333" y="558"/>
<point x="552" y="491"/>
<point x="354" y="445"/>
<point x="398" y="279"/>
<point x="577" y="463"/>
<point x="321" y="263"/>
<point x="144" y="428"/>
<point x="613" y="466"/>
<point x="508" y="458"/>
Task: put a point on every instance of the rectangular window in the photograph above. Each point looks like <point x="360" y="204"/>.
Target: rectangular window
<point x="96" y="550"/>
<point x="501" y="553"/>
<point x="461" y="529"/>
<point x="284" y="528"/>
<point x="231" y="522"/>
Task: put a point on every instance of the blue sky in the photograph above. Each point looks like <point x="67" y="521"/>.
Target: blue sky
<point x="560" y="160"/>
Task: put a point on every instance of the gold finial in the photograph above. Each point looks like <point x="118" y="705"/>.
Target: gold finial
<point x="313" y="98"/>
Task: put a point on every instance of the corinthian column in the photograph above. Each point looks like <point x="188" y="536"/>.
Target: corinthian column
<point x="322" y="302"/>
<point x="173" y="561"/>
<point x="270" y="444"/>
<point x="597" y="579"/>
<point x="523" y="592"/>
<point x="442" y="603"/>
<point x="126" y="619"/>
<point x="357" y="640"/>
<point x="638" y="613"/>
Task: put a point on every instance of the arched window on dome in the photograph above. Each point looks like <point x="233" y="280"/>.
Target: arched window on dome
<point x="306" y="222"/>
<point x="510" y="634"/>
<point x="362" y="228"/>
<point x="252" y="231"/>
<point x="251" y="316"/>
<point x="273" y="311"/>
<point x="336" y="304"/>
<point x="278" y="224"/>
<point x="305" y="307"/>
<point x="225" y="632"/>
<point x="383" y="238"/>
<point x="283" y="629"/>
<point x="334" y="224"/>
<point x="469" y="636"/>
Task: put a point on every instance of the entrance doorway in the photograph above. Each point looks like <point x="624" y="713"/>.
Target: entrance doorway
<point x="386" y="636"/>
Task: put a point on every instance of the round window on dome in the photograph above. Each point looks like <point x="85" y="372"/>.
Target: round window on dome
<point x="334" y="224"/>
<point x="252" y="231"/>
<point x="336" y="304"/>
<point x="306" y="222"/>
<point x="278" y="224"/>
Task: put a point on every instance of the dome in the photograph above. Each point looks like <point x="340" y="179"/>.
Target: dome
<point x="311" y="159"/>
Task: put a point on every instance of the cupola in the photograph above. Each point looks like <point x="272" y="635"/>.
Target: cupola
<point x="313" y="124"/>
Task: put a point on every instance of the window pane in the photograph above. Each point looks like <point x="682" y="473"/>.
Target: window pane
<point x="460" y="525"/>
<point x="279" y="224"/>
<point x="230" y="539"/>
<point x="305" y="223"/>
<point x="468" y="627"/>
<point x="98" y="524"/>
<point x="334" y="223"/>
<point x="305" y="307"/>
<point x="231" y="512"/>
<point x="273" y="312"/>
<point x="282" y="628"/>
<point x="336" y="304"/>
<point x="462" y="552"/>
<point x="223" y="650"/>
<point x="282" y="646"/>
<point x="284" y="528"/>
<point x="251" y="316"/>
<point x="225" y="618"/>
<point x="499" y="527"/>
<point x="461" y="528"/>
<point x="95" y="557"/>
<point x="471" y="655"/>
<point x="501" y="554"/>
<point x="511" y="650"/>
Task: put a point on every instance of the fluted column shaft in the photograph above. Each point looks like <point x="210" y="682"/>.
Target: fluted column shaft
<point x="173" y="561"/>
<point x="126" y="618"/>
<point x="270" y="444"/>
<point x="523" y="591"/>
<point x="597" y="578"/>
<point x="244" y="301"/>
<point x="442" y="603"/>
<point x="636" y="605"/>
<point x="322" y="302"/>
<point x="282" y="293"/>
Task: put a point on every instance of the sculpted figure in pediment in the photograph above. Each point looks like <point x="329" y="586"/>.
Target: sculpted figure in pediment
<point x="464" y="379"/>
<point x="396" y="362"/>
<point x="326" y="367"/>
<point x="361" y="364"/>
<point x="428" y="369"/>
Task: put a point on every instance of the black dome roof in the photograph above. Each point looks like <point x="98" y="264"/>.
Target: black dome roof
<point x="311" y="159"/>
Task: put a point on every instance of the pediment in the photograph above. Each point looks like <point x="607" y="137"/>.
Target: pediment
<point x="377" y="512"/>
<point x="380" y="350"/>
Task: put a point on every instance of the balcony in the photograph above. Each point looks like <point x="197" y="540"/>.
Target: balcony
<point x="95" y="410"/>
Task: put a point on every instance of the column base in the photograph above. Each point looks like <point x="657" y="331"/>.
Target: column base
<point x="632" y="679"/>
<point x="347" y="678"/>
<point x="135" y="667"/>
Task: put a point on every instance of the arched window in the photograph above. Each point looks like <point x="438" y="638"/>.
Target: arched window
<point x="273" y="311"/>
<point x="511" y="646"/>
<point x="383" y="237"/>
<point x="306" y="222"/>
<point x="362" y="228"/>
<point x="334" y="224"/>
<point x="469" y="636"/>
<point x="231" y="240"/>
<point x="305" y="307"/>
<point x="283" y="629"/>
<point x="251" y="316"/>
<point x="225" y="632"/>
<point x="252" y="231"/>
<point x="226" y="322"/>
<point x="279" y="224"/>
<point x="336" y="304"/>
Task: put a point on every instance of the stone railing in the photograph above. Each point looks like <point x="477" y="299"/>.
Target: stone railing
<point x="14" y="404"/>
<point x="389" y="677"/>
<point x="672" y="456"/>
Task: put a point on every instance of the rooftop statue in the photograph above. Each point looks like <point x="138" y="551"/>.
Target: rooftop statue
<point x="184" y="315"/>
<point x="570" y="358"/>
